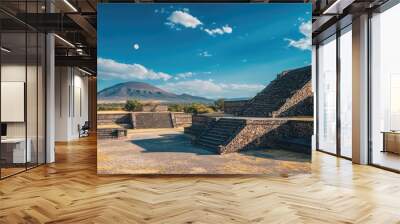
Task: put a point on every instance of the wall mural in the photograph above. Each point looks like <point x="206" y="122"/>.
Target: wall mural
<point x="204" y="89"/>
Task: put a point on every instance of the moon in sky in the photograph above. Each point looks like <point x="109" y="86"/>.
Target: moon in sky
<point x="136" y="46"/>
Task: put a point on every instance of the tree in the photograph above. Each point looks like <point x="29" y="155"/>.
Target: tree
<point x="219" y="104"/>
<point x="132" y="105"/>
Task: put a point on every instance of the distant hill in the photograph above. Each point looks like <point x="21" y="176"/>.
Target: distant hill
<point x="237" y="99"/>
<point x="146" y="92"/>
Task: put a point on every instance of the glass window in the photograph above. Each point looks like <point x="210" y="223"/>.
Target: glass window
<point x="327" y="95"/>
<point x="346" y="92"/>
<point x="385" y="89"/>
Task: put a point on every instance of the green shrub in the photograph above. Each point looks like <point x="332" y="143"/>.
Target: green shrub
<point x="197" y="108"/>
<point x="132" y="105"/>
<point x="176" y="108"/>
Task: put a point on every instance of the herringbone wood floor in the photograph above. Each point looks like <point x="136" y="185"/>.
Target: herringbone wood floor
<point x="69" y="191"/>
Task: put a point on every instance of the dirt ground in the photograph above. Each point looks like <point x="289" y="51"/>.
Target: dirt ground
<point x="170" y="151"/>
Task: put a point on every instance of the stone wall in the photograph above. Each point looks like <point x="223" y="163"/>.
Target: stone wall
<point x="151" y="120"/>
<point x="181" y="119"/>
<point x="282" y="133"/>
<point x="121" y="118"/>
<point x="252" y="135"/>
<point x="234" y="107"/>
<point x="145" y="119"/>
<point x="290" y="134"/>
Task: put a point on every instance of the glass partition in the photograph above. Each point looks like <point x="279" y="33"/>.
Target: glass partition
<point x="22" y="88"/>
<point x="31" y="97"/>
<point x="14" y="155"/>
<point x="327" y="95"/>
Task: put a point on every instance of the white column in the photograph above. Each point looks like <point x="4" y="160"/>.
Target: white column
<point x="50" y="92"/>
<point x="360" y="90"/>
<point x="50" y="100"/>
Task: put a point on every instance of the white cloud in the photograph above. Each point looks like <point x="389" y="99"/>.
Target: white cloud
<point x="184" y="75"/>
<point x="211" y="89"/>
<point x="136" y="46"/>
<point x="205" y="54"/>
<point x="109" y="68"/>
<point x="303" y="43"/>
<point x="220" y="31"/>
<point x="227" y="29"/>
<point x="183" y="18"/>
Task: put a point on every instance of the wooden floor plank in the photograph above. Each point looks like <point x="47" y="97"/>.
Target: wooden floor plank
<point x="70" y="191"/>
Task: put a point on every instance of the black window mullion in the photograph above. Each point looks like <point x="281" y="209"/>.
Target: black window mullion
<point x="338" y="76"/>
<point x="317" y="97"/>
<point x="26" y="86"/>
<point x="37" y="90"/>
<point x="369" y="100"/>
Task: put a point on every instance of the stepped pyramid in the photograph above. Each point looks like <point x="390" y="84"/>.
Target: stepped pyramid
<point x="278" y="116"/>
<point x="277" y="93"/>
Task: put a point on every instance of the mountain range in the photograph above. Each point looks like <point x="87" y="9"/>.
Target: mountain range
<point x="146" y="92"/>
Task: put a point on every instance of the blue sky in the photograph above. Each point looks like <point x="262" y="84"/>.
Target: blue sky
<point x="209" y="50"/>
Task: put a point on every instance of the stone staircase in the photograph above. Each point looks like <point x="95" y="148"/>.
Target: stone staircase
<point x="300" y="104"/>
<point x="111" y="132"/>
<point x="104" y="133"/>
<point x="277" y="92"/>
<point x="220" y="133"/>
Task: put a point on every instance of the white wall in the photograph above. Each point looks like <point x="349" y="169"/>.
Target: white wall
<point x="71" y="102"/>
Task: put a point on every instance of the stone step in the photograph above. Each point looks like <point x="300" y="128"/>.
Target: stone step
<point x="227" y="120"/>
<point x="224" y="129"/>
<point x="216" y="139"/>
<point x="208" y="144"/>
<point x="227" y="125"/>
<point x="219" y="134"/>
<point x="234" y="122"/>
